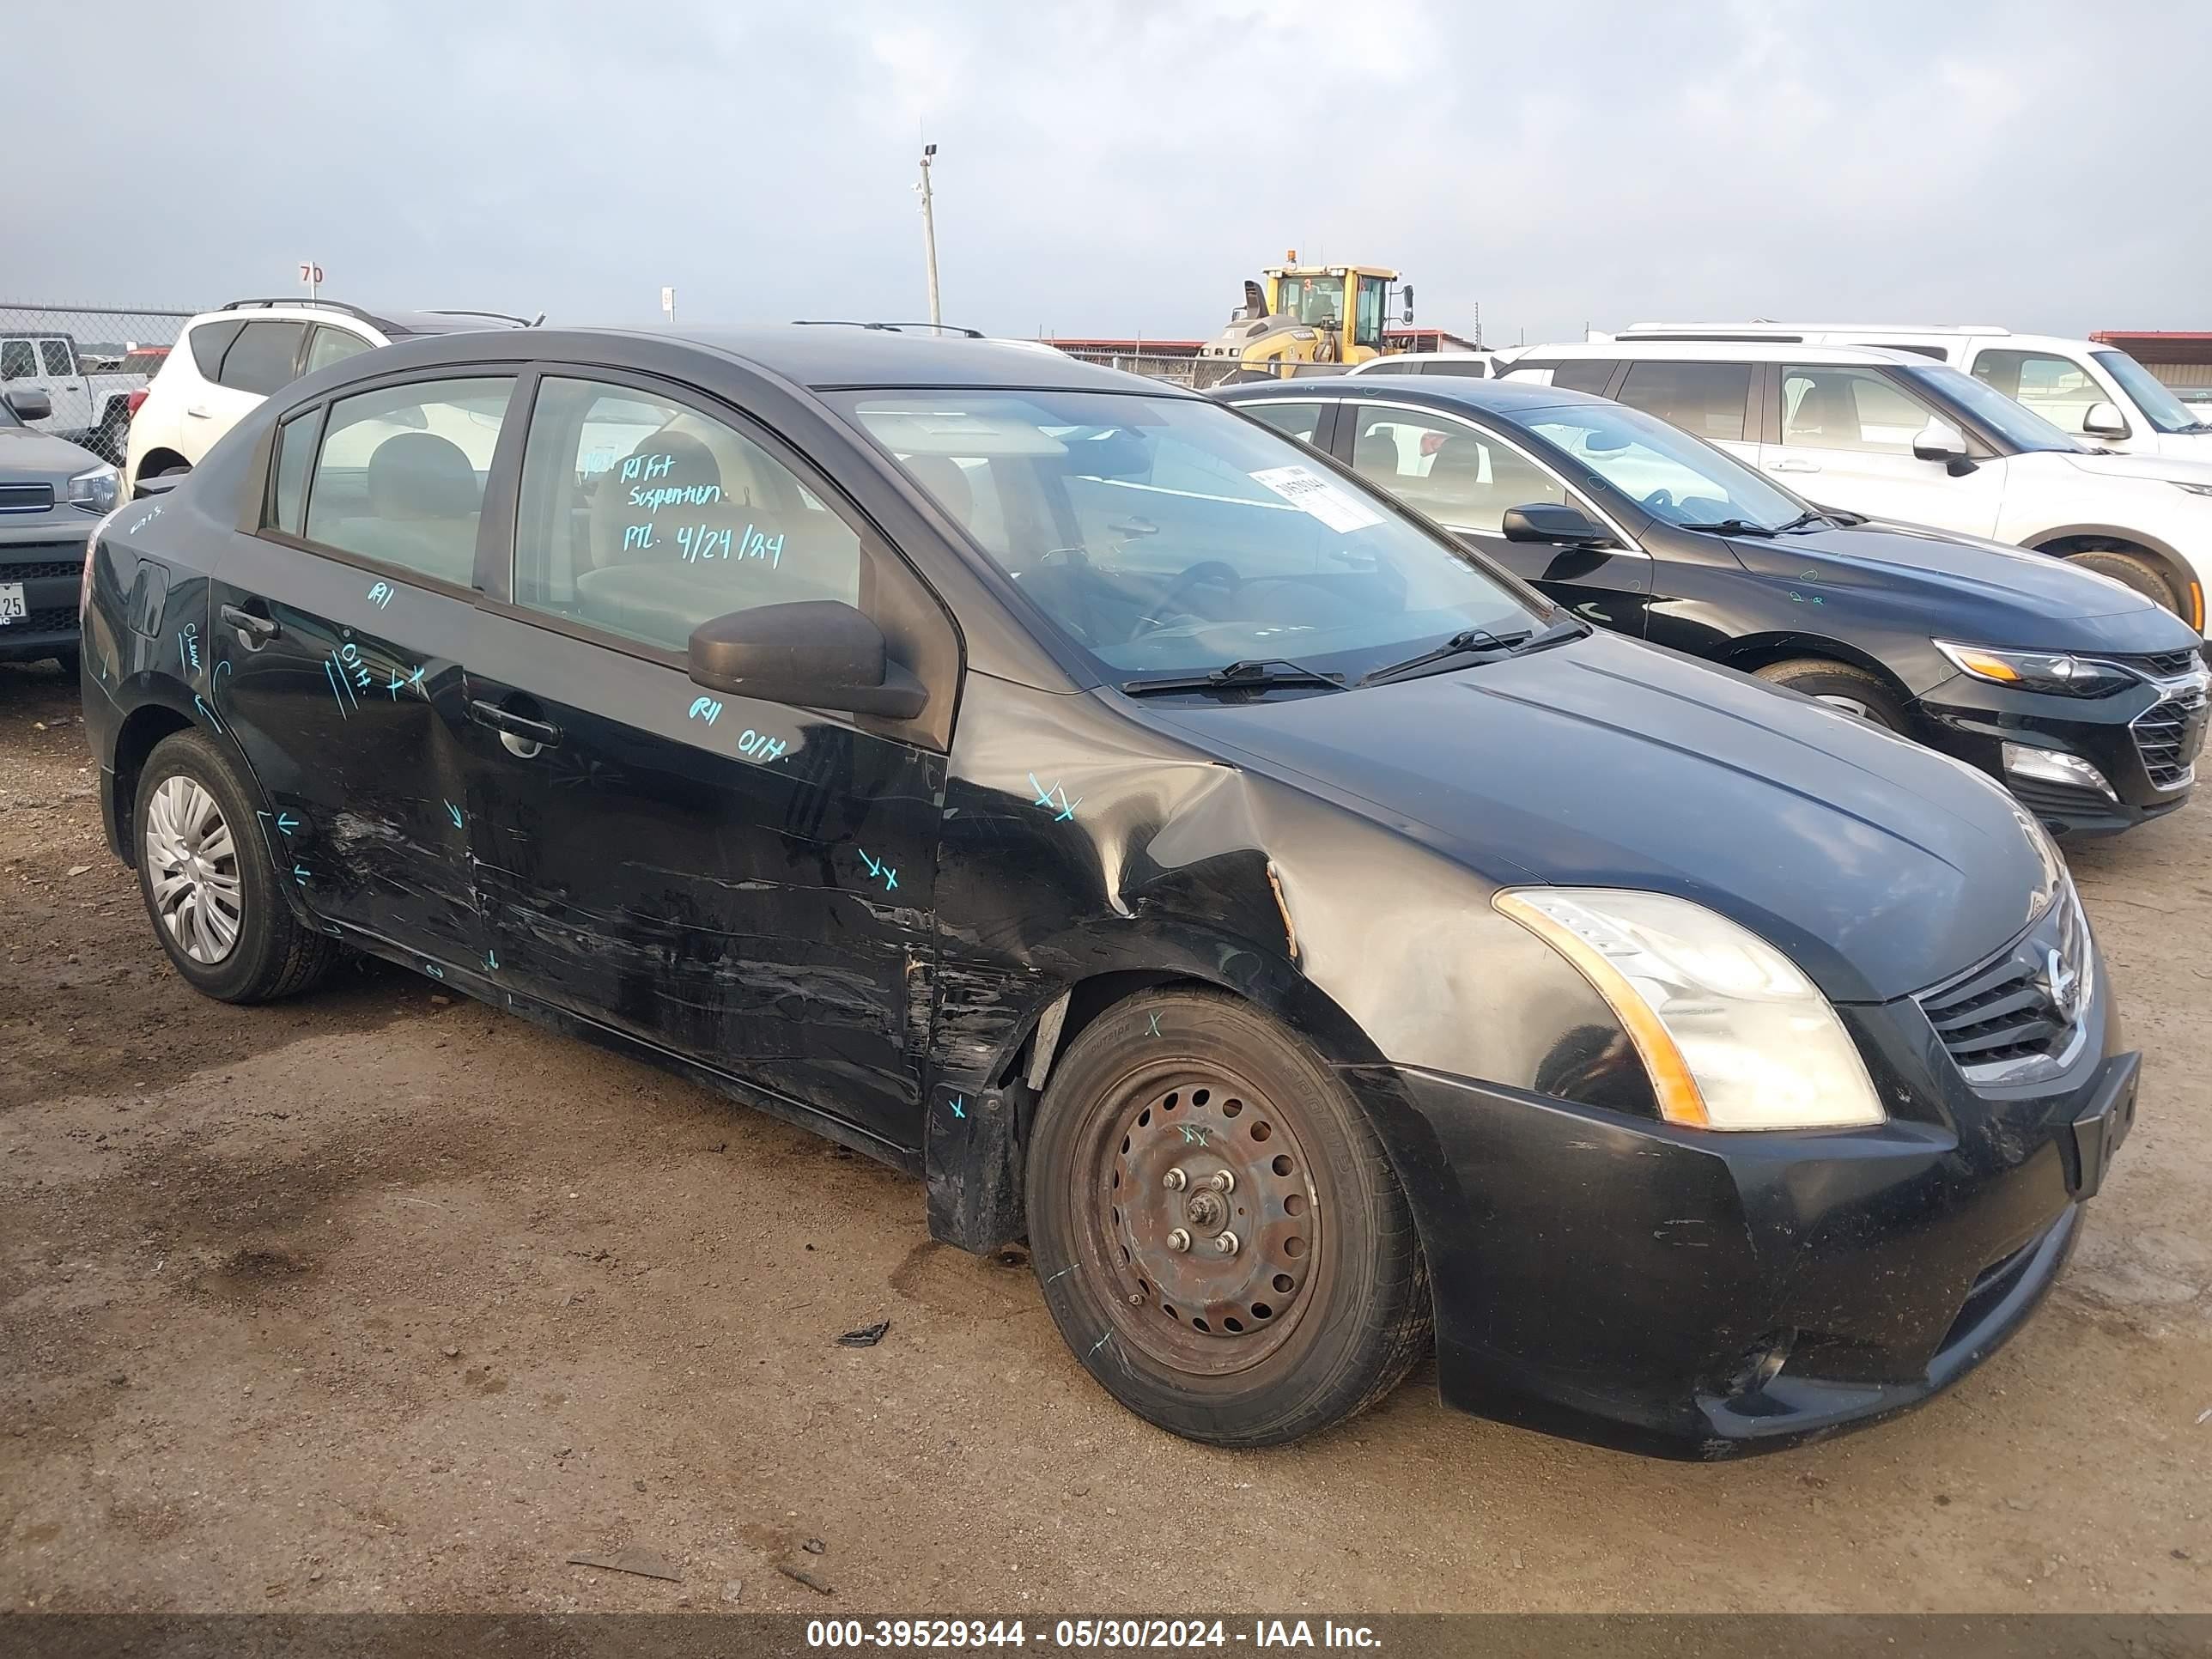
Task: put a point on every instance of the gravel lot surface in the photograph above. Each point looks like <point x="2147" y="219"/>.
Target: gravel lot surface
<point x="381" y="1299"/>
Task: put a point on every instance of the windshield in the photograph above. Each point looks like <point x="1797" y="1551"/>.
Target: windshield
<point x="2153" y="395"/>
<point x="1315" y="300"/>
<point x="1169" y="535"/>
<point x="2021" y="427"/>
<point x="1672" y="475"/>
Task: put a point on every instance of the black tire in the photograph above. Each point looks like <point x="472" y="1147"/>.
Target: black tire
<point x="2131" y="570"/>
<point x="1842" y="685"/>
<point x="1324" y="1303"/>
<point x="271" y="954"/>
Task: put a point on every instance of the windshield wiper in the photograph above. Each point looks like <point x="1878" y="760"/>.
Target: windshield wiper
<point x="1246" y="674"/>
<point x="1479" y="642"/>
<point x="1732" y="527"/>
<point x="1803" y="518"/>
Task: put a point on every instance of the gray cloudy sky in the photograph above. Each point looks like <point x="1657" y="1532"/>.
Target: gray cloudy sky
<point x="1115" y="166"/>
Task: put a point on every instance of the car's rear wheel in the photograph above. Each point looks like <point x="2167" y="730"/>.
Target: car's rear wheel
<point x="2131" y="571"/>
<point x="1842" y="685"/>
<point x="209" y="884"/>
<point x="1220" y="1236"/>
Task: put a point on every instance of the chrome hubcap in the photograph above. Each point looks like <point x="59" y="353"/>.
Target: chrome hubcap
<point x="191" y="864"/>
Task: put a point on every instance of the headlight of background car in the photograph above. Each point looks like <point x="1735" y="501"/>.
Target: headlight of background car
<point x="2038" y="671"/>
<point x="96" y="491"/>
<point x="1734" y="1035"/>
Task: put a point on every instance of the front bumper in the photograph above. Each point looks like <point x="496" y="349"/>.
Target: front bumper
<point x="44" y="552"/>
<point x="1701" y="1295"/>
<point x="2143" y="741"/>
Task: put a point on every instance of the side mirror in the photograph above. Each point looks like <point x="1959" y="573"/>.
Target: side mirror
<point x="160" y="484"/>
<point x="30" y="405"/>
<point x="1406" y="292"/>
<point x="1552" y="521"/>
<point x="2103" y="420"/>
<point x="816" y="653"/>
<point x="1939" y="441"/>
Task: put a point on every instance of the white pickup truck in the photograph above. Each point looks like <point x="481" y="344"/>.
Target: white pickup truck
<point x="90" y="410"/>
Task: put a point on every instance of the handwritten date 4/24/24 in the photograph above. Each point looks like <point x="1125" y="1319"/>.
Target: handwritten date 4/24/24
<point x="1088" y="1633"/>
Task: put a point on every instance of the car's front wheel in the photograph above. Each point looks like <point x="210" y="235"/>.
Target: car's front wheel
<point x="209" y="884"/>
<point x="1220" y="1236"/>
<point x="1841" y="685"/>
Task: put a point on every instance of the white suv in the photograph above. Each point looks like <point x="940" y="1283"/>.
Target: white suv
<point x="1893" y="435"/>
<point x="2091" y="391"/>
<point x="228" y="360"/>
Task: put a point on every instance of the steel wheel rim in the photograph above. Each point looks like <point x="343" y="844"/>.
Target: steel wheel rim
<point x="192" y="870"/>
<point x="1203" y="1309"/>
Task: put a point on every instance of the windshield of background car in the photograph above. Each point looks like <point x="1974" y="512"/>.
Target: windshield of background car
<point x="1169" y="535"/>
<point x="2153" y="395"/>
<point x="2018" y="426"/>
<point x="1672" y="475"/>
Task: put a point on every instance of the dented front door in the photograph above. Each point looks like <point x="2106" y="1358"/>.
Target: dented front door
<point x="746" y="885"/>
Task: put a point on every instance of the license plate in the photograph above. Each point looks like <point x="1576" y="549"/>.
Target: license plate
<point x="12" y="608"/>
<point x="2098" y="1133"/>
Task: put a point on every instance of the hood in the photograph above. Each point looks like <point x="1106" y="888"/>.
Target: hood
<point x="1950" y="585"/>
<point x="30" y="456"/>
<point x="2186" y="446"/>
<point x="2160" y="468"/>
<point x="1881" y="867"/>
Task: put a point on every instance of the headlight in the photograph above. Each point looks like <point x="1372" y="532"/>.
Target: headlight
<point x="2193" y="489"/>
<point x="96" y="491"/>
<point x="2038" y="671"/>
<point x="1734" y="1035"/>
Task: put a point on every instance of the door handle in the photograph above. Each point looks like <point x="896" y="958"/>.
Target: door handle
<point x="1795" y="464"/>
<point x="512" y="725"/>
<point x="259" y="629"/>
<point x="197" y="411"/>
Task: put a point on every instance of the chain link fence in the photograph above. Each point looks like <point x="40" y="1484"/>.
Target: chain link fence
<point x="88" y="361"/>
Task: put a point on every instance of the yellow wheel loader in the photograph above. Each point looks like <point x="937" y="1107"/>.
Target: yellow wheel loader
<point x="1310" y="320"/>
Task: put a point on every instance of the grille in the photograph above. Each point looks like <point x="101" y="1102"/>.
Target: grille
<point x="51" y="620"/>
<point x="2018" y="1016"/>
<point x="2165" y="665"/>
<point x="26" y="497"/>
<point x="12" y="571"/>
<point x="2167" y="736"/>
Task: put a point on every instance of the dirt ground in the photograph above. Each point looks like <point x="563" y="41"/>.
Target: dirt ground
<point x="381" y="1299"/>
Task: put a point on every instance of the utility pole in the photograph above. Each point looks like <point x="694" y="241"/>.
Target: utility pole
<point x="929" y="232"/>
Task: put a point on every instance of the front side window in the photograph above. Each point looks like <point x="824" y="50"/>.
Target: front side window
<point x="1670" y="474"/>
<point x="400" y="476"/>
<point x="17" y="361"/>
<point x="1706" y="400"/>
<point x="1855" y="408"/>
<point x="260" y="359"/>
<point x="2059" y="389"/>
<point x="1457" y="474"/>
<point x="646" y="517"/>
<point x="1170" y="536"/>
<point x="1300" y="421"/>
<point x="56" y="354"/>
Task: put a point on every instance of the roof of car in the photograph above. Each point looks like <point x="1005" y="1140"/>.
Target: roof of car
<point x="821" y="355"/>
<point x="1504" y="395"/>
<point x="1708" y="351"/>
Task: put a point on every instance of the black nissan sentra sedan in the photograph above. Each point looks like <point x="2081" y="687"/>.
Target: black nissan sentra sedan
<point x="2085" y="697"/>
<point x="1073" y="791"/>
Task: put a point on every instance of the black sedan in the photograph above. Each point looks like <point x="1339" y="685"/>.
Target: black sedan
<point x="2088" y="700"/>
<point x="1080" y="796"/>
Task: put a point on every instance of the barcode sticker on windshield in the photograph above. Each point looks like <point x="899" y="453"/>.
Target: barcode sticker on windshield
<point x="1311" y="493"/>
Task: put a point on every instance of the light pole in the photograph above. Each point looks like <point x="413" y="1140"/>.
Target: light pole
<point x="929" y="233"/>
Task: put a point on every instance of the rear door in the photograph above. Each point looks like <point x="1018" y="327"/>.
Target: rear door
<point x="260" y="358"/>
<point x="1467" y="477"/>
<point x="65" y="382"/>
<point x="335" y="661"/>
<point x="1843" y="437"/>
<point x="746" y="885"/>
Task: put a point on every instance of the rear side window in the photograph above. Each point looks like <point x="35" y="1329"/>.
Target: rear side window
<point x="646" y="517"/>
<point x="209" y="341"/>
<point x="261" y="359"/>
<point x="1591" y="375"/>
<point x="400" y="476"/>
<point x="57" y="356"/>
<point x="1469" y="368"/>
<point x="1300" y="421"/>
<point x="1704" y="399"/>
<point x="295" y="449"/>
<point x="332" y="345"/>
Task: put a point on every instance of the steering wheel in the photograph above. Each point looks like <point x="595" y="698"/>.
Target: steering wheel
<point x="1207" y="573"/>
<point x="1662" y="501"/>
